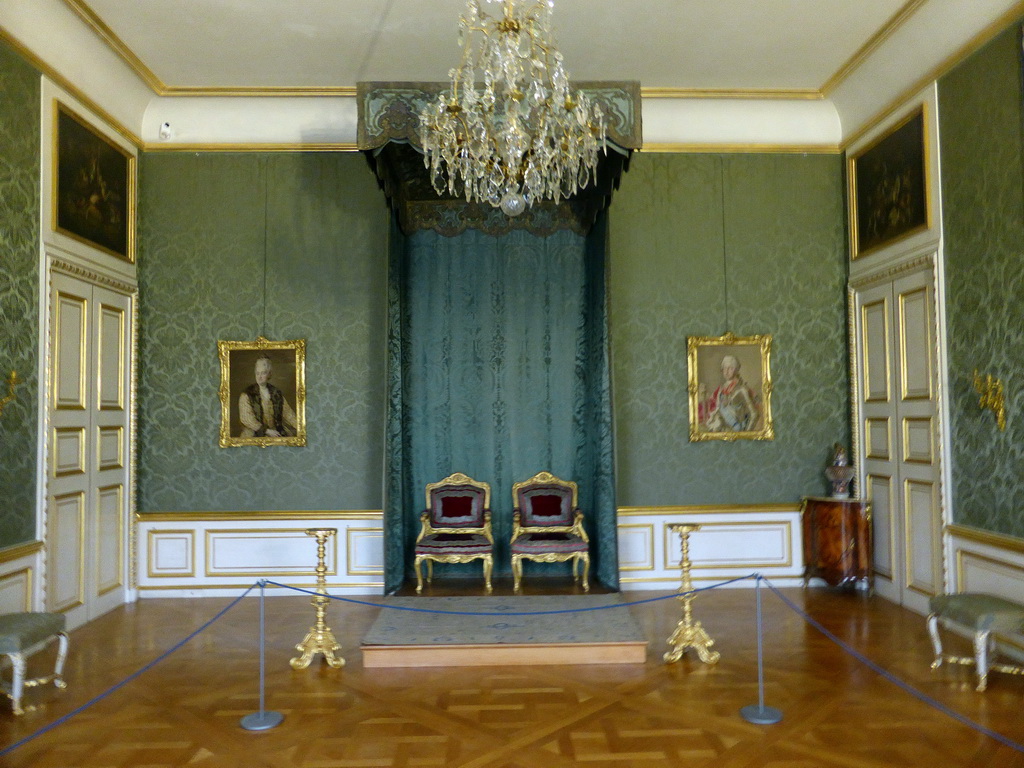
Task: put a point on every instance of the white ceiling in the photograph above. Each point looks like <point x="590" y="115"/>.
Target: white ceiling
<point x="775" y="45"/>
<point x="790" y="75"/>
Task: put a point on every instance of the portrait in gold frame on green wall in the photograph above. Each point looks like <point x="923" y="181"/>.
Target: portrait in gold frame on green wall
<point x="730" y="387"/>
<point x="262" y="392"/>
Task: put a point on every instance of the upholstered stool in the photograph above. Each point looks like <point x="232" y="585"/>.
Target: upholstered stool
<point x="21" y="635"/>
<point x="983" y="615"/>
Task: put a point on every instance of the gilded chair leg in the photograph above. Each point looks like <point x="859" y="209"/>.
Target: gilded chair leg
<point x="488" y="567"/>
<point x="417" y="564"/>
<point x="430" y="571"/>
<point x="586" y="571"/>
<point x="517" y="573"/>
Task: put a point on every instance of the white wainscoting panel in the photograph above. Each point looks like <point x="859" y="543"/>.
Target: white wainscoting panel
<point x="984" y="562"/>
<point x="733" y="541"/>
<point x="19" y="587"/>
<point x="191" y="554"/>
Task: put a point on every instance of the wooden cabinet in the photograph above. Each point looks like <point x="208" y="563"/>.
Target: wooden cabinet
<point x="837" y="540"/>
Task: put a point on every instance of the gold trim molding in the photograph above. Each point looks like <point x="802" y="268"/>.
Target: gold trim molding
<point x="341" y="146"/>
<point x="68" y="86"/>
<point x="999" y="540"/>
<point x="308" y="587"/>
<point x="254" y="516"/>
<point x="965" y="52"/>
<point x="709" y="509"/>
<point x="72" y="269"/>
<point x="705" y="148"/>
<point x="18" y="551"/>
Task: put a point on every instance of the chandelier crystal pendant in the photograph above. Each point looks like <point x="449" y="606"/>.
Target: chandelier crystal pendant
<point x="510" y="130"/>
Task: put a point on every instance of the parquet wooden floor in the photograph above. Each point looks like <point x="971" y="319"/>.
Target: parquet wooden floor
<point x="185" y="711"/>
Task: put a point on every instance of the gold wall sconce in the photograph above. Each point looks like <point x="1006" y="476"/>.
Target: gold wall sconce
<point x="12" y="382"/>
<point x="990" y="391"/>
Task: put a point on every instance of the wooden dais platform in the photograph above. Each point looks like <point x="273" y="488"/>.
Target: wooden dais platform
<point x="503" y="631"/>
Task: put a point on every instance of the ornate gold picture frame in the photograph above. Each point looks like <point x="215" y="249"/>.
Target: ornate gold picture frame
<point x="730" y="387"/>
<point x="94" y="186"/>
<point x="262" y="392"/>
<point x="888" y="193"/>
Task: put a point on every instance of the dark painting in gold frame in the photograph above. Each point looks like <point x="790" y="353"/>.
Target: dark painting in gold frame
<point x="94" y="187"/>
<point x="889" y="187"/>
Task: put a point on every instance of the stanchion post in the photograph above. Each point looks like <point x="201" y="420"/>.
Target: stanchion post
<point x="760" y="714"/>
<point x="688" y="633"/>
<point x="319" y="639"/>
<point x="262" y="720"/>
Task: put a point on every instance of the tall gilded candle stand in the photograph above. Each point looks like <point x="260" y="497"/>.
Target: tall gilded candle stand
<point x="688" y="633"/>
<point x="319" y="639"/>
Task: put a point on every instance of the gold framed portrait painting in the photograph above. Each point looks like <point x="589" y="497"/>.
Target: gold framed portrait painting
<point x="94" y="186"/>
<point x="262" y="392"/>
<point x="730" y="387"/>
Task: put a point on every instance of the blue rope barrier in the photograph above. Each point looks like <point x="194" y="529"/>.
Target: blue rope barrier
<point x="919" y="695"/>
<point x="515" y="613"/>
<point x="117" y="686"/>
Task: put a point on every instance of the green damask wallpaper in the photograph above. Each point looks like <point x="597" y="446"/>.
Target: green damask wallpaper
<point x="701" y="245"/>
<point x="19" y="293"/>
<point x="981" y="129"/>
<point x="208" y="221"/>
<point x="287" y="245"/>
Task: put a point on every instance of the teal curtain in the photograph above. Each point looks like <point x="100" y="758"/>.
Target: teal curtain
<point x="498" y="368"/>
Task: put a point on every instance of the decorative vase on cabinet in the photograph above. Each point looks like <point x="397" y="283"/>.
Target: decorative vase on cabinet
<point x="837" y="540"/>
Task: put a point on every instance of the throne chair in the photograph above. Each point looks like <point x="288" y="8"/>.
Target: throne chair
<point x="547" y="526"/>
<point x="455" y="527"/>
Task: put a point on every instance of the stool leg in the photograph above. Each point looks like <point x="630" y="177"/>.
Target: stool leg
<point x="981" y="658"/>
<point x="933" y="630"/>
<point x="17" y="681"/>
<point x="62" y="655"/>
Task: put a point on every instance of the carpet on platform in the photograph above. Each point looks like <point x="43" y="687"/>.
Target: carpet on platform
<point x="607" y="620"/>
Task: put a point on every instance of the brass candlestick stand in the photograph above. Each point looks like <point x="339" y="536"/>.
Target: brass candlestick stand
<point x="688" y="633"/>
<point x="319" y="639"/>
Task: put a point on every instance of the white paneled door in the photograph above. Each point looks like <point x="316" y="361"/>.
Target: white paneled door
<point x="87" y="514"/>
<point x="896" y="331"/>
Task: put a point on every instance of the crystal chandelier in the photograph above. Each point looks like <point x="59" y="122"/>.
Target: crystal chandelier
<point x="510" y="130"/>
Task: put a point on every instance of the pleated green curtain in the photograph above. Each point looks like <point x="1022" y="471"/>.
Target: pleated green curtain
<point x="498" y="367"/>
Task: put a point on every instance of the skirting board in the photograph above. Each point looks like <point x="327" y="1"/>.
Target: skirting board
<point x="504" y="654"/>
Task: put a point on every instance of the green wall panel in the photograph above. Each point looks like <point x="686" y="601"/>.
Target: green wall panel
<point x="19" y="293"/>
<point x="981" y="130"/>
<point x="232" y="246"/>
<point x="701" y="245"/>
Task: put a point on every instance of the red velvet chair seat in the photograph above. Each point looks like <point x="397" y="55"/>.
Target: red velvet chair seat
<point x="454" y="543"/>
<point x="538" y="543"/>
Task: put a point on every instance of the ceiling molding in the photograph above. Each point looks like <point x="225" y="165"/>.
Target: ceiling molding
<point x="184" y="90"/>
<point x="52" y="74"/>
<point x="811" y="94"/>
<point x="116" y="44"/>
<point x="707" y="148"/>
<point x="965" y="52"/>
<point x="873" y="43"/>
<point x="151" y="146"/>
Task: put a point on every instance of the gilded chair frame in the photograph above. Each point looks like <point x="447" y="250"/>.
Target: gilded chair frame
<point x="427" y="529"/>
<point x="576" y="528"/>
